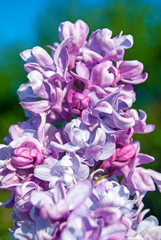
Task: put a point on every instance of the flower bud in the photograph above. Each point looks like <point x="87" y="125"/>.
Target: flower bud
<point x="25" y="157"/>
<point x="77" y="101"/>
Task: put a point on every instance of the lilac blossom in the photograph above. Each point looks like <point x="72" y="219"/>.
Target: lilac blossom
<point x="121" y="157"/>
<point x="73" y="168"/>
<point x="68" y="170"/>
<point x="90" y="145"/>
<point x="130" y="72"/>
<point x="105" y="74"/>
<point x="100" y="46"/>
<point x="21" y="155"/>
<point x="47" y="80"/>
<point x="23" y="205"/>
<point x="77" y="33"/>
<point x="140" y="122"/>
<point x="101" y="75"/>
<point x="106" y="214"/>
<point x="146" y="229"/>
<point x="108" y="112"/>
<point x="52" y="95"/>
<point x="77" y="101"/>
<point x="83" y="220"/>
<point x="59" y="206"/>
<point x="38" y="230"/>
<point x="139" y="178"/>
<point x="25" y="153"/>
<point x="143" y="180"/>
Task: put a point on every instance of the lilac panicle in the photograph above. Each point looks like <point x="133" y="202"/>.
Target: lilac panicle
<point x="73" y="168"/>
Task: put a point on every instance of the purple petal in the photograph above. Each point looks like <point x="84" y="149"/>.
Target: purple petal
<point x="38" y="198"/>
<point x="87" y="118"/>
<point x="107" y="129"/>
<point x="5" y="153"/>
<point x="25" y="92"/>
<point x="123" y="122"/>
<point x="79" y="193"/>
<point x="43" y="172"/>
<point x="26" y="55"/>
<point x="115" y="231"/>
<point x="100" y="39"/>
<point x="147" y="223"/>
<point x="27" y="230"/>
<point x="156" y="177"/>
<point x="125" y="41"/>
<point x="29" y="67"/>
<point x="36" y="79"/>
<point x="137" y="80"/>
<point x="109" y="149"/>
<point x="142" y="181"/>
<point x="36" y="107"/>
<point x="83" y="172"/>
<point x="42" y="57"/>
<point x="143" y="159"/>
<point x="101" y="75"/>
<point x="93" y="152"/>
<point x="109" y="214"/>
<point x="91" y="57"/>
<point x="78" y="31"/>
<point x="99" y="138"/>
<point x="61" y="57"/>
<point x="69" y="147"/>
<point x="130" y="69"/>
<point x="104" y="107"/>
<point x="66" y="30"/>
<point x="82" y="70"/>
<point x="81" y="31"/>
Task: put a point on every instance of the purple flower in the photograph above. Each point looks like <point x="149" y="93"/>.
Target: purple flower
<point x="22" y="204"/>
<point x="101" y="216"/>
<point x="58" y="206"/>
<point x="68" y="170"/>
<point x="143" y="179"/>
<point x="90" y="145"/>
<point x="38" y="59"/>
<point x="130" y="72"/>
<point x="46" y="163"/>
<point x="146" y="229"/>
<point x="140" y="122"/>
<point x="48" y="80"/>
<point x="78" y="31"/>
<point x="103" y="74"/>
<point x="101" y="46"/>
<point x="77" y="101"/>
<point x="25" y="230"/>
<point x="108" y="112"/>
<point x="138" y="178"/>
<point x="26" y="157"/>
<point x="40" y="229"/>
<point x="26" y="153"/>
<point x="122" y="156"/>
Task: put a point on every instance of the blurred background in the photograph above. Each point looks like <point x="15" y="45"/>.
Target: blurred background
<point x="25" y="24"/>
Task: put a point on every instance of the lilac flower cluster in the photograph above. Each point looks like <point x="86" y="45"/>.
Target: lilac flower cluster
<point x="72" y="167"/>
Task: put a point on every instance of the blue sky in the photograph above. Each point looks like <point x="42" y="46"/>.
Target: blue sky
<point x="18" y="19"/>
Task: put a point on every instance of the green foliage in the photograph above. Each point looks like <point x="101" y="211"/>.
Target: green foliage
<point x="12" y="75"/>
<point x="5" y="216"/>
